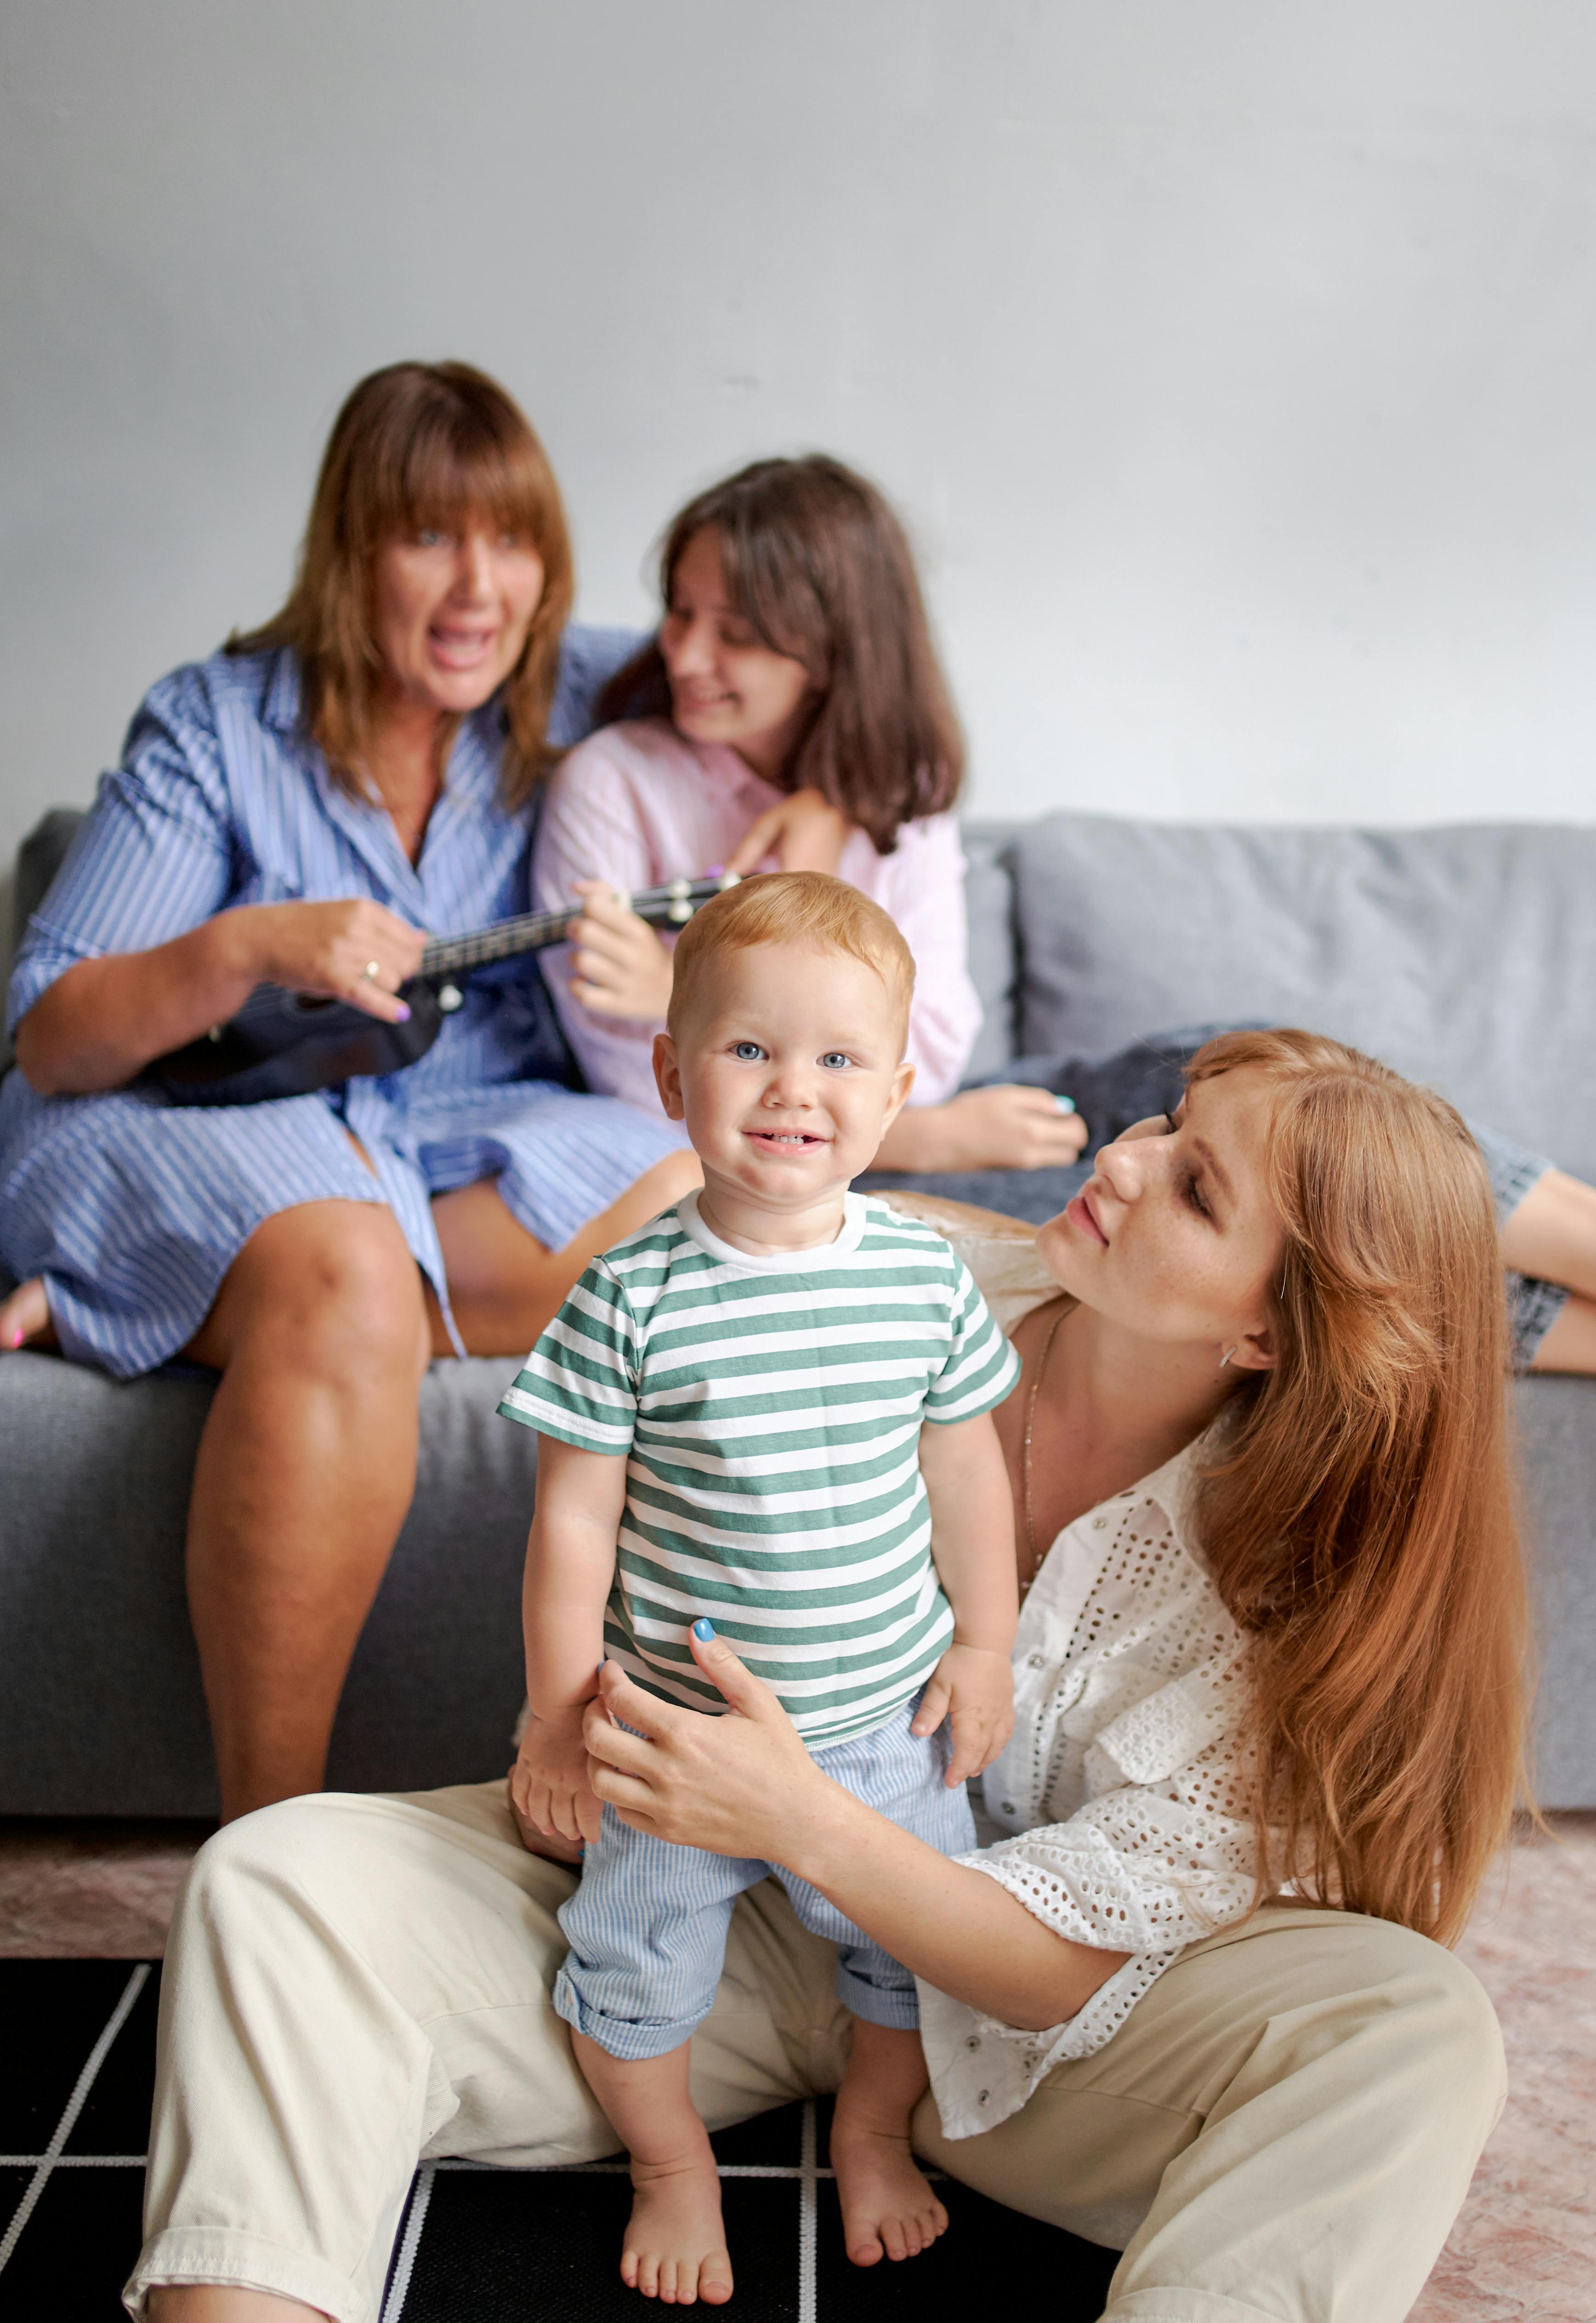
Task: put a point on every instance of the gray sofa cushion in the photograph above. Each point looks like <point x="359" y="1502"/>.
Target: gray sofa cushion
<point x="989" y="911"/>
<point x="1465" y="957"/>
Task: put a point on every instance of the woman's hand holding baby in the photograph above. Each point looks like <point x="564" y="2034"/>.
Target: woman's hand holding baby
<point x="974" y="1686"/>
<point x="737" y="1785"/>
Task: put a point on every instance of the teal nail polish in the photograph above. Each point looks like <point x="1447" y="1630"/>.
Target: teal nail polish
<point x="703" y="1631"/>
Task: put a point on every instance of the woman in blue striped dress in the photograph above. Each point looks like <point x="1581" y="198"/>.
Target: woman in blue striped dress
<point x="305" y="808"/>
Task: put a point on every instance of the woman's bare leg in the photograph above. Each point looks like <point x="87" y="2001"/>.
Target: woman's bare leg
<point x="1569" y="1345"/>
<point x="305" y="1473"/>
<point x="504" y="1285"/>
<point x="1552" y="1236"/>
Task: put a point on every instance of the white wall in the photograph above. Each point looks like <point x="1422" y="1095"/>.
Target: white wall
<point x="1233" y="360"/>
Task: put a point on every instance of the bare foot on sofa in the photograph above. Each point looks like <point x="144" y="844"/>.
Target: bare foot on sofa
<point x="24" y="1318"/>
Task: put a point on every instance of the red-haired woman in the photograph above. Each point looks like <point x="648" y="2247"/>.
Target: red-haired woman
<point x="305" y="807"/>
<point x="1192" y="2000"/>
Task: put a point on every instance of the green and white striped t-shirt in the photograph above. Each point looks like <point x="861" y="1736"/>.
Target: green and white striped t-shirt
<point x="770" y="1411"/>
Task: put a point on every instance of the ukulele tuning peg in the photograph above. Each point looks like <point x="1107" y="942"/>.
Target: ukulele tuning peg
<point x="449" y="998"/>
<point x="680" y="910"/>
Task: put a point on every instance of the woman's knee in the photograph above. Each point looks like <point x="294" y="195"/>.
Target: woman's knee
<point x="336" y="1279"/>
<point x="280" y="1882"/>
<point x="1459" y="2023"/>
<point x="1412" y="2019"/>
<point x="255" y="1852"/>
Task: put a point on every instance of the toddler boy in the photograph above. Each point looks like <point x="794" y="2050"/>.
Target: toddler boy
<point x="769" y="1409"/>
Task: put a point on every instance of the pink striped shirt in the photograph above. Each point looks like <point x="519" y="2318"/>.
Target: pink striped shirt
<point x="637" y="805"/>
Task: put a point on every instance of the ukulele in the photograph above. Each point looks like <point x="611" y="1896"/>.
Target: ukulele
<point x="284" y="1043"/>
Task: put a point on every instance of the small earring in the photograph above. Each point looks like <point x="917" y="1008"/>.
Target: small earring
<point x="1227" y="1354"/>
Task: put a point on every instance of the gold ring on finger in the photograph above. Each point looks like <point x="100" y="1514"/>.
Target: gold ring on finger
<point x="368" y="972"/>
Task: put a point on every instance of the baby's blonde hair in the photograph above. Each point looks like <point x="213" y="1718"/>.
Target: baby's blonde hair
<point x="793" y="908"/>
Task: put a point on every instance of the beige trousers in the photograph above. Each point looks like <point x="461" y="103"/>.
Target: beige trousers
<point x="1285" y="2126"/>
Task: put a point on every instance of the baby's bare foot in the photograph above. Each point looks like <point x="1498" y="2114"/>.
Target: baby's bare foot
<point x="675" y="2244"/>
<point x="24" y="1316"/>
<point x="888" y="2208"/>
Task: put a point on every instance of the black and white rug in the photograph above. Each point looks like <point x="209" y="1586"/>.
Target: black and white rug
<point x="478" y="2245"/>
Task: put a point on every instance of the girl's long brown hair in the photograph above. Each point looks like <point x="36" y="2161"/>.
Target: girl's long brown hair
<point x="418" y="444"/>
<point x="818" y="565"/>
<point x="1359" y="1524"/>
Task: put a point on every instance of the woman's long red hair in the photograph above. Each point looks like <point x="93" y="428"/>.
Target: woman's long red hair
<point x="1360" y="1522"/>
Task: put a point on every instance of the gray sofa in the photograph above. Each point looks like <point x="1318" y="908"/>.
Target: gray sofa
<point x="1465" y="956"/>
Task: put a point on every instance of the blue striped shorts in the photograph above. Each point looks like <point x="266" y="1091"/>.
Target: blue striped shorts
<point x="648" y="1926"/>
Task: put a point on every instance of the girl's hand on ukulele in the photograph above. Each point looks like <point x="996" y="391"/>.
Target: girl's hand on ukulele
<point x="326" y="950"/>
<point x="804" y="832"/>
<point x="620" y="968"/>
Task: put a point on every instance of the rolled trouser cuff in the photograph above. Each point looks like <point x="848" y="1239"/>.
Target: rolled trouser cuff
<point x="242" y="2262"/>
<point x="620" y="2037"/>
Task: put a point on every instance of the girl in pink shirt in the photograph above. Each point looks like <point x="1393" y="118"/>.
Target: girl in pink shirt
<point x="809" y="727"/>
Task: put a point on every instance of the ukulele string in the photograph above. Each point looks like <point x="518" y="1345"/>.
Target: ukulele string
<point x="676" y="902"/>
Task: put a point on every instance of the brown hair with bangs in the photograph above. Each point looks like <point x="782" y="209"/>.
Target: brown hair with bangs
<point x="1359" y="1523"/>
<point x="418" y="444"/>
<point x="818" y="565"/>
<point x="806" y="908"/>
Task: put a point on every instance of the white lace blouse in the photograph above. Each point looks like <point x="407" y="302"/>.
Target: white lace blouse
<point x="1125" y="1781"/>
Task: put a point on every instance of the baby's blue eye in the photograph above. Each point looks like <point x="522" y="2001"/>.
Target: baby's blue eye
<point x="428" y="538"/>
<point x="834" y="1058"/>
<point x="747" y="1052"/>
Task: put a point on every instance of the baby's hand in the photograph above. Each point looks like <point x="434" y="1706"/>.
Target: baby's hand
<point x="977" y="1686"/>
<point x="548" y="1784"/>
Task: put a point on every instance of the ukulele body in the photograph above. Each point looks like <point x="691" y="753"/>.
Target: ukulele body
<point x="285" y="1043"/>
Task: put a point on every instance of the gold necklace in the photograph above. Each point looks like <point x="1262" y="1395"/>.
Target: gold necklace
<point x="1034" y="1567"/>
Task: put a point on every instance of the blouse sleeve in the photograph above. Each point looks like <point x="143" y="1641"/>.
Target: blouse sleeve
<point x="1163" y="1855"/>
<point x="1152" y="1863"/>
<point x="152" y="858"/>
<point x="925" y="896"/>
<point x="590" y="828"/>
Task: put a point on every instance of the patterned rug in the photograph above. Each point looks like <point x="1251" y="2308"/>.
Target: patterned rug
<point x="477" y="2246"/>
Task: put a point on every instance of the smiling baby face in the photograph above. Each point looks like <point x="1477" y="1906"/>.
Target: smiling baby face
<point x="787" y="1065"/>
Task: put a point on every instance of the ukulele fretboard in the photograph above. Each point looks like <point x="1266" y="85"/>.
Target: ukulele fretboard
<point x="534" y="931"/>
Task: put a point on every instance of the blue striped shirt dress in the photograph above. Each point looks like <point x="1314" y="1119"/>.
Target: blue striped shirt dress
<point x="133" y="1208"/>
